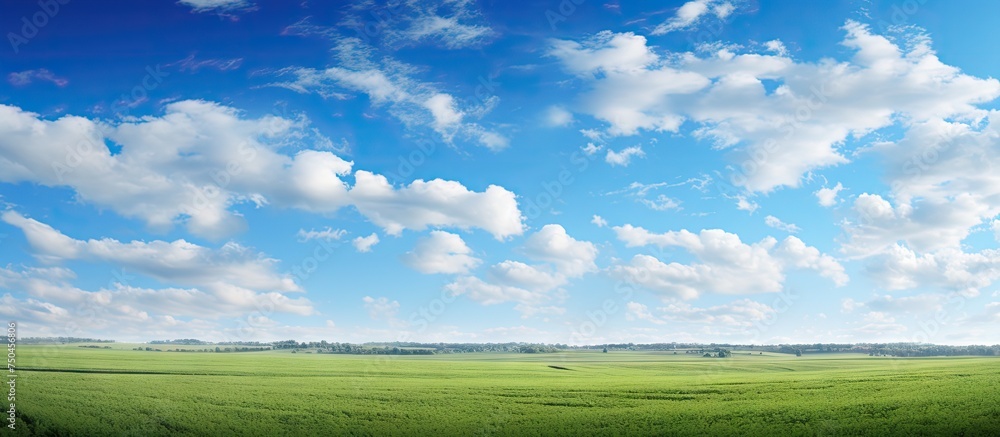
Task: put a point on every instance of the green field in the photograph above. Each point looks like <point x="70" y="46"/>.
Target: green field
<point x="123" y="392"/>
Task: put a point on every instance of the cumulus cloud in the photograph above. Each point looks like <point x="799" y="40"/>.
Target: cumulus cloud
<point x="777" y="47"/>
<point x="943" y="187"/>
<point x="848" y="305"/>
<point x="383" y="309"/>
<point x="776" y="223"/>
<point x="231" y="268"/>
<point x="51" y="305"/>
<point x="942" y="183"/>
<point x="827" y="197"/>
<point x="637" y="311"/>
<point x="691" y="13"/>
<point x="599" y="221"/>
<point x="441" y="252"/>
<point x="552" y="244"/>
<point x="739" y="318"/>
<point x="590" y="149"/>
<point x="365" y="244"/>
<point x="744" y="204"/>
<point x="436" y="203"/>
<point x="743" y="313"/>
<point x="900" y="268"/>
<point x="921" y="303"/>
<point x="726" y="264"/>
<point x="557" y="116"/>
<point x="624" y="158"/>
<point x="534" y="286"/>
<point x="782" y="134"/>
<point x="930" y="225"/>
<point x="199" y="159"/>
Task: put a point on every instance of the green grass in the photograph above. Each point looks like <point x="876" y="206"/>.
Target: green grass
<point x="634" y="393"/>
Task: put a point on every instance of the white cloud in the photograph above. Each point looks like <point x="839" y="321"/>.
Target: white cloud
<point x="900" y="268"/>
<point x="446" y="116"/>
<point x="624" y="157"/>
<point x="389" y="82"/>
<point x="995" y="226"/>
<point x="794" y="252"/>
<point x="590" y="149"/>
<point x="637" y="311"/>
<point x="571" y="257"/>
<point x="599" y="221"/>
<point x="776" y="223"/>
<point x="727" y="265"/>
<point x="448" y="30"/>
<point x="744" y="204"/>
<point x="22" y="78"/>
<point x="922" y="303"/>
<point x="441" y="252"/>
<point x="743" y="313"/>
<point x="490" y="293"/>
<point x="327" y="234"/>
<point x="436" y="203"/>
<point x="121" y="306"/>
<point x="222" y="7"/>
<point x="558" y="116"/>
<point x="661" y="203"/>
<point x="451" y="24"/>
<point x="592" y="134"/>
<point x="777" y="47"/>
<point x="364" y="244"/>
<point x="198" y="160"/>
<point x="878" y="317"/>
<point x="532" y="287"/>
<point x="879" y="323"/>
<point x="848" y="305"/>
<point x="782" y="134"/>
<point x="382" y="309"/>
<point x="229" y="269"/>
<point x="691" y="13"/>
<point x="827" y="197"/>
<point x="930" y="225"/>
<point x="942" y="186"/>
<point x="190" y="64"/>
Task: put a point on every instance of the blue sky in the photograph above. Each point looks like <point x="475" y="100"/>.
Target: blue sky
<point x="574" y="172"/>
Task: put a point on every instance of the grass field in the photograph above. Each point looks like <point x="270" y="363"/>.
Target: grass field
<point x="123" y="392"/>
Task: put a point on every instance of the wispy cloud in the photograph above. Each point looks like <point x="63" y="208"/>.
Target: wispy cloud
<point x="691" y="13"/>
<point x="191" y="64"/>
<point x="26" y="77"/>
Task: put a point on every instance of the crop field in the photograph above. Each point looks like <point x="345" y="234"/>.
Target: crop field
<point x="66" y="390"/>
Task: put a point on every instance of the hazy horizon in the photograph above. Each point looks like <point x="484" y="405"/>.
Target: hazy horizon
<point x="574" y="172"/>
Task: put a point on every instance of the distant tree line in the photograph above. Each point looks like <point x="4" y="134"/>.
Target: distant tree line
<point x="218" y="349"/>
<point x="872" y="349"/>
<point x="51" y="340"/>
<point x="187" y="341"/>
<point x="411" y="348"/>
<point x="714" y="350"/>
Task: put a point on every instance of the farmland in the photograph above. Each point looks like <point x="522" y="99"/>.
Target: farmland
<point x="118" y="391"/>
